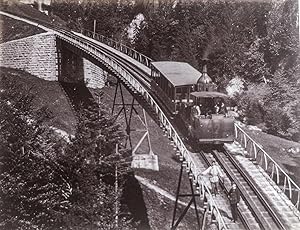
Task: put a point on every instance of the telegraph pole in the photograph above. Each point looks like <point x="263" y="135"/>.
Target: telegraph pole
<point x="94" y="28"/>
<point x="116" y="191"/>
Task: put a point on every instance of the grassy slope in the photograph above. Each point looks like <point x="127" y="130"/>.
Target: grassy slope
<point x="159" y="208"/>
<point x="47" y="93"/>
<point x="275" y="146"/>
<point x="30" y="12"/>
<point x="11" y="29"/>
<point x="25" y="10"/>
<point x="278" y="148"/>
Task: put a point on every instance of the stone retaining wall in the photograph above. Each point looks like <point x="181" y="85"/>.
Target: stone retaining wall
<point x="38" y="55"/>
<point x="94" y="76"/>
<point x="35" y="54"/>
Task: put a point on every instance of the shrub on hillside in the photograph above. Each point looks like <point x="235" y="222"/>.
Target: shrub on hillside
<point x="277" y="122"/>
<point x="46" y="186"/>
<point x="251" y="103"/>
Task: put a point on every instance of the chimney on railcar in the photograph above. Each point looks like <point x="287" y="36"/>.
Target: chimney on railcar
<point x="205" y="83"/>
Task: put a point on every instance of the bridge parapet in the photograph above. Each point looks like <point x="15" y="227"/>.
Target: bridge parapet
<point x="119" y="46"/>
<point x="253" y="149"/>
<point x="256" y="152"/>
<point x="165" y="124"/>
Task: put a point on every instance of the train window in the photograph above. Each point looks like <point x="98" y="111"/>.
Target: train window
<point x="182" y="94"/>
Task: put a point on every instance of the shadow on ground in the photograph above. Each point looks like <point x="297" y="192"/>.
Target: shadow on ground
<point x="134" y="200"/>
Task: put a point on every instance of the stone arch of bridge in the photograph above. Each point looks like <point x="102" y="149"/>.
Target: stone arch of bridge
<point x="70" y="66"/>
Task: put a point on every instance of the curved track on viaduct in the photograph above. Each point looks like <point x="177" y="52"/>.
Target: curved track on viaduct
<point x="132" y="69"/>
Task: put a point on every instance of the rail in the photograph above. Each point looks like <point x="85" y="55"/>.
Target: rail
<point x="277" y="174"/>
<point x="120" y="47"/>
<point x="263" y="158"/>
<point x="252" y="202"/>
<point x="164" y="121"/>
<point x="255" y="150"/>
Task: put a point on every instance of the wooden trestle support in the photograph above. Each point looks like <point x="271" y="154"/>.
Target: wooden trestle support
<point x="149" y="160"/>
<point x="203" y="207"/>
<point x="193" y="196"/>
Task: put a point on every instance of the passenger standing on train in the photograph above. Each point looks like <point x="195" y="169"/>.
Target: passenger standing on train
<point x="214" y="172"/>
<point x="234" y="198"/>
<point x="195" y="113"/>
<point x="217" y="108"/>
<point x="198" y="110"/>
<point x="223" y="109"/>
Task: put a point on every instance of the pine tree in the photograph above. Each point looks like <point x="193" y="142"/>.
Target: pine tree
<point x="30" y="189"/>
<point x="47" y="186"/>
<point x="90" y="162"/>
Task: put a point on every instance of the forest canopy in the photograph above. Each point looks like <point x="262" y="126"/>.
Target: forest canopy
<point x="254" y="42"/>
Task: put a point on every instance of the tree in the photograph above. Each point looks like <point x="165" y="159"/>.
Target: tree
<point x="46" y="186"/>
<point x="157" y="37"/>
<point x="282" y="38"/>
<point x="281" y="48"/>
<point x="90" y="162"/>
<point x="112" y="16"/>
<point x="30" y="189"/>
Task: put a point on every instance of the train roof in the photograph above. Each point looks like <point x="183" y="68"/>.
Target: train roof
<point x="209" y="94"/>
<point x="178" y="73"/>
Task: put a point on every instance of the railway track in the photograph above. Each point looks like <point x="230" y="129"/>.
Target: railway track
<point x="144" y="77"/>
<point x="255" y="212"/>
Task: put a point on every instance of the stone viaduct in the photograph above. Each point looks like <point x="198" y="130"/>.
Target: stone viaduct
<point x="49" y="58"/>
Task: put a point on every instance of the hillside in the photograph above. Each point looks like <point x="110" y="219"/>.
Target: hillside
<point x="11" y="29"/>
<point x="159" y="208"/>
<point x="50" y="94"/>
<point x="47" y="93"/>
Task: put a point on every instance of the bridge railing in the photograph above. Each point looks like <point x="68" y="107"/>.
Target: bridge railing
<point x="120" y="47"/>
<point x="278" y="175"/>
<point x="165" y="124"/>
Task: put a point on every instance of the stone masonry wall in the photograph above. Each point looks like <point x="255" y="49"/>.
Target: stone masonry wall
<point x="94" y="76"/>
<point x="35" y="54"/>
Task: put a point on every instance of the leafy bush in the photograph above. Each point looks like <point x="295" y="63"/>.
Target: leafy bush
<point x="277" y="122"/>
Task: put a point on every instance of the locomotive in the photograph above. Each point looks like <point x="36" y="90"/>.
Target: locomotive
<point x="192" y="97"/>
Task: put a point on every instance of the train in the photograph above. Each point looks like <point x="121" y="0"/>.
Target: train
<point x="193" y="99"/>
